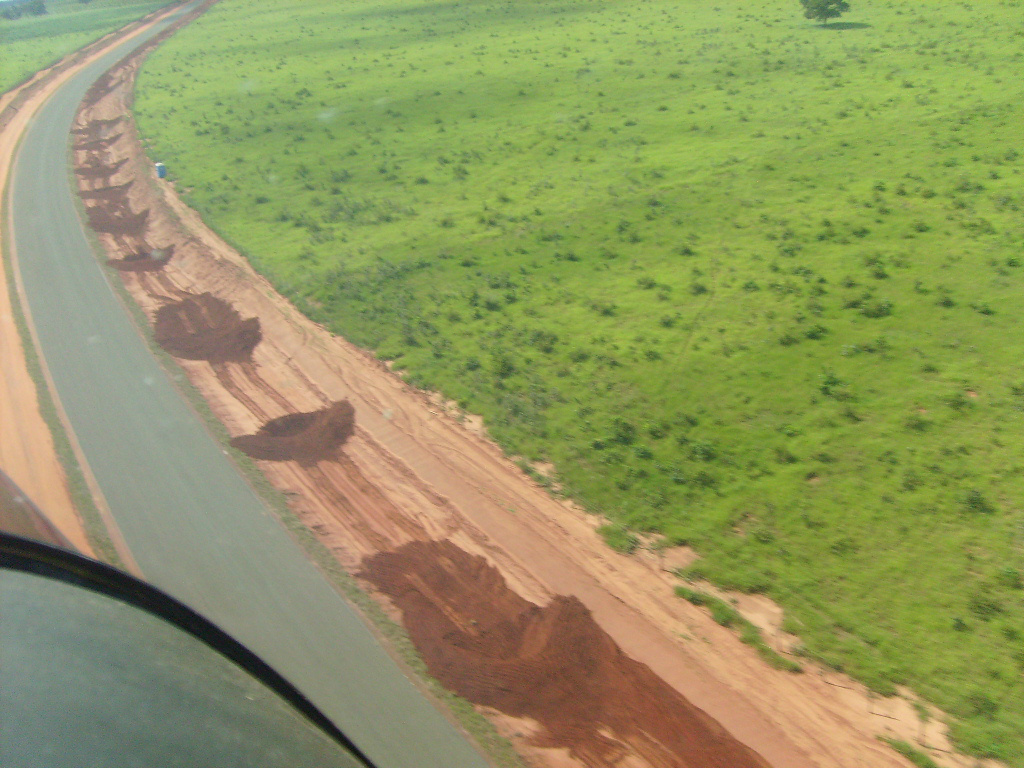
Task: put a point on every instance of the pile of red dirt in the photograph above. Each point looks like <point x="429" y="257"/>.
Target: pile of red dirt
<point x="552" y="664"/>
<point x="97" y="126"/>
<point x="111" y="192"/>
<point x="118" y="220"/>
<point x="303" y="437"/>
<point x="152" y="261"/>
<point x="103" y="85"/>
<point x="108" y="205"/>
<point x="200" y="327"/>
<point x="94" y="145"/>
<point x="96" y="168"/>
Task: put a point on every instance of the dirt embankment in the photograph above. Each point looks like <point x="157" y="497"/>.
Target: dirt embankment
<point x="583" y="656"/>
<point x="552" y="664"/>
<point x="307" y="438"/>
<point x="199" y="327"/>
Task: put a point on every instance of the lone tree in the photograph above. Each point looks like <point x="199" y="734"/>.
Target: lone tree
<point x="823" y="10"/>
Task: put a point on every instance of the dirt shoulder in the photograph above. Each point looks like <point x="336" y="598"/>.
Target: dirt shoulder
<point x="27" y="451"/>
<point x="403" y="492"/>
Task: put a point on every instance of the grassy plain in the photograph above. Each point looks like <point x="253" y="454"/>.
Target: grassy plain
<point x="747" y="282"/>
<point x="31" y="43"/>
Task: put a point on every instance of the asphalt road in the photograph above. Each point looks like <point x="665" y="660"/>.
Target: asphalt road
<point x="193" y="525"/>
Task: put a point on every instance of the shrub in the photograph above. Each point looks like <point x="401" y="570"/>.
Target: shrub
<point x="877" y="309"/>
<point x="623" y="432"/>
<point x="975" y="502"/>
<point x="503" y="366"/>
<point x="984" y="606"/>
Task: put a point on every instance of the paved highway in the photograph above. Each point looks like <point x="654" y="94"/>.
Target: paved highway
<point x="193" y="525"/>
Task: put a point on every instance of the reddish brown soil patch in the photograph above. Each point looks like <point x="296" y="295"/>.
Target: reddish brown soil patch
<point x="97" y="144"/>
<point x="151" y="261"/>
<point x="303" y="437"/>
<point x="99" y="170"/>
<point x="202" y="327"/>
<point x="117" y="222"/>
<point x="112" y="192"/>
<point x="553" y="664"/>
<point x="97" y="127"/>
<point x="103" y="85"/>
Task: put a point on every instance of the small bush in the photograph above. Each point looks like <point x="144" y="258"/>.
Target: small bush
<point x="877" y="309"/>
<point x="976" y="503"/>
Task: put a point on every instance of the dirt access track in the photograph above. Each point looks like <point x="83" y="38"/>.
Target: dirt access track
<point x="582" y="656"/>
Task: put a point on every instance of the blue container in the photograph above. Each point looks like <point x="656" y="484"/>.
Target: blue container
<point x="161" y="171"/>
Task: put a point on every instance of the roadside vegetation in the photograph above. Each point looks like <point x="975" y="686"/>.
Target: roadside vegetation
<point x="727" y="616"/>
<point x="31" y="40"/>
<point x="748" y="282"/>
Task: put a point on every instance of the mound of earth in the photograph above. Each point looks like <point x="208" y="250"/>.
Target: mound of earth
<point x="103" y="85"/>
<point x="97" y="126"/>
<point x="150" y="261"/>
<point x="99" y="170"/>
<point x="303" y="437"/>
<point x="93" y="145"/>
<point x="200" y="327"/>
<point x="117" y="222"/>
<point x="113" y="193"/>
<point x="552" y="664"/>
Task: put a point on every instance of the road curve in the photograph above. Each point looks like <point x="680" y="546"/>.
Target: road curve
<point x="192" y="524"/>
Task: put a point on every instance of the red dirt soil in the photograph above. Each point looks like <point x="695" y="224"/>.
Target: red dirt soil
<point x="153" y="261"/>
<point x="303" y="437"/>
<point x="200" y="327"/>
<point x="553" y="664"/>
<point x="94" y="171"/>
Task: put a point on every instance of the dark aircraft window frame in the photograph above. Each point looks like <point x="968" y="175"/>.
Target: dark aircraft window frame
<point x="41" y="559"/>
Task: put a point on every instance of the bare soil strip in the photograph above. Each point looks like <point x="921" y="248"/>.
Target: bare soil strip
<point x="582" y="655"/>
<point x="199" y="327"/>
<point x="552" y="664"/>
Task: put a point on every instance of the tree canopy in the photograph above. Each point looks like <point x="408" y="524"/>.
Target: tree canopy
<point x="823" y="10"/>
<point x="13" y="9"/>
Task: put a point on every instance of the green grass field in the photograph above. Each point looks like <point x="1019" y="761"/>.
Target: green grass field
<point x="31" y="43"/>
<point x="748" y="282"/>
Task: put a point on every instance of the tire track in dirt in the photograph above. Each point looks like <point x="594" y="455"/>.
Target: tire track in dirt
<point x="223" y="372"/>
<point x="252" y="375"/>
